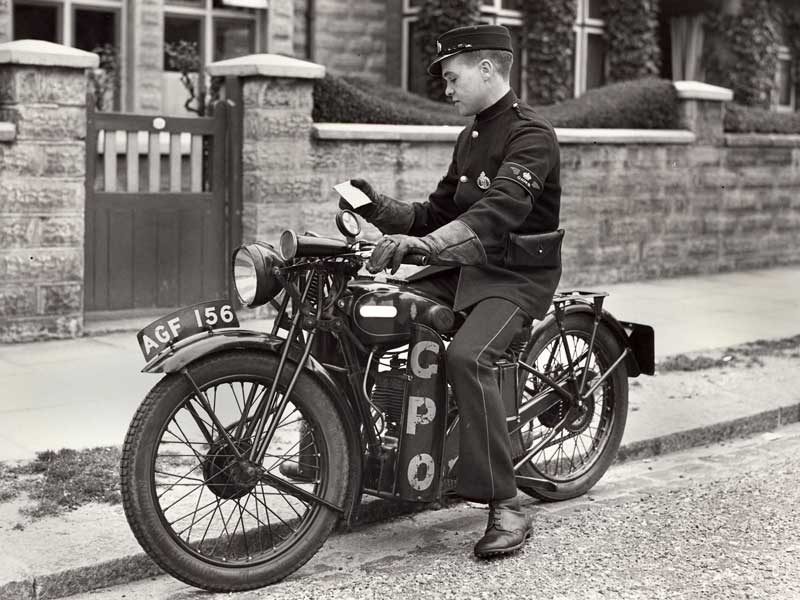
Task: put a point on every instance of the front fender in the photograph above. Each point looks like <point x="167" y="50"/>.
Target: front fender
<point x="193" y="349"/>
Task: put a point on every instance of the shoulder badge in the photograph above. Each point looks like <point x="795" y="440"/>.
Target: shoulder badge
<point x="483" y="181"/>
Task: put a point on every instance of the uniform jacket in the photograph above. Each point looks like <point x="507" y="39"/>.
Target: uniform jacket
<point x="503" y="178"/>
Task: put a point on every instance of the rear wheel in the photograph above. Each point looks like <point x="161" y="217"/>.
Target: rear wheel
<point x="585" y="445"/>
<point x="199" y="507"/>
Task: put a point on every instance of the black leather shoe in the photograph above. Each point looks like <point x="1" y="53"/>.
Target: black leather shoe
<point x="294" y="471"/>
<point x="507" y="530"/>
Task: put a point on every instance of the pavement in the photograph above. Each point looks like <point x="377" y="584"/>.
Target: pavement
<point x="82" y="393"/>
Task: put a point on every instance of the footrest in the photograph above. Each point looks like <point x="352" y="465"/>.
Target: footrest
<point x="536" y="483"/>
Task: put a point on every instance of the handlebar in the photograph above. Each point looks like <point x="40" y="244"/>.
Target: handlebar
<point x="293" y="245"/>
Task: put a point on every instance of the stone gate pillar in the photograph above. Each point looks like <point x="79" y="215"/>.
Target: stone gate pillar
<point x="277" y="172"/>
<point x="42" y="167"/>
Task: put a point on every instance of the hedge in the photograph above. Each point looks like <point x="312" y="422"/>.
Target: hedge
<point x="748" y="119"/>
<point x="639" y="104"/>
<point x="338" y="100"/>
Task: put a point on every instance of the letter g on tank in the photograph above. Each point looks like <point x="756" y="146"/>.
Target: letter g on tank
<point x="416" y="367"/>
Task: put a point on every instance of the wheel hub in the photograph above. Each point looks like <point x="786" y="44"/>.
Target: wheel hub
<point x="583" y="411"/>
<point x="226" y="475"/>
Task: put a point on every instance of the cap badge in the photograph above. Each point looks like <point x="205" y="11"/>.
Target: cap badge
<point x="527" y="175"/>
<point x="483" y="181"/>
<point x="438" y="47"/>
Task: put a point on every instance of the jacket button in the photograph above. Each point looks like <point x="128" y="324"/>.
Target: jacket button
<point x="463" y="179"/>
<point x="474" y="134"/>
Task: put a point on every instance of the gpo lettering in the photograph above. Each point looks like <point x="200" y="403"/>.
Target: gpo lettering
<point x="421" y="411"/>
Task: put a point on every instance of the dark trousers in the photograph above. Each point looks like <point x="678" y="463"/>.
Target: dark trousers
<point x="485" y="468"/>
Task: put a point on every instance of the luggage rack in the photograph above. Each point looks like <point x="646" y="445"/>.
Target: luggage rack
<point x="563" y="299"/>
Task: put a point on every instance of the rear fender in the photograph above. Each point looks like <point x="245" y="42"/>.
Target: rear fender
<point x="183" y="355"/>
<point x="634" y="336"/>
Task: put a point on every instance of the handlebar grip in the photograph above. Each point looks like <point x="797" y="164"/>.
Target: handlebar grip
<point x="415" y="258"/>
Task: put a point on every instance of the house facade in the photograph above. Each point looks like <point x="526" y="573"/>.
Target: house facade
<point x="372" y="38"/>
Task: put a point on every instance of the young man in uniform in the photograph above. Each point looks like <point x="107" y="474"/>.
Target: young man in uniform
<point x="501" y="189"/>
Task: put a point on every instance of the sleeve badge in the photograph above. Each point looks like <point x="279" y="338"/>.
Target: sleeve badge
<point x="521" y="175"/>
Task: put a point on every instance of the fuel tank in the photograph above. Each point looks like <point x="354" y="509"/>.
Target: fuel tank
<point x="383" y="313"/>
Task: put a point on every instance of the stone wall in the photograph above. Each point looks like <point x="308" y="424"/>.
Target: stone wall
<point x="43" y="94"/>
<point x="635" y="204"/>
<point x="145" y="48"/>
<point x="631" y="211"/>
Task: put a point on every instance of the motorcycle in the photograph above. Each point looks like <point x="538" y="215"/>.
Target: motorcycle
<point x="243" y="458"/>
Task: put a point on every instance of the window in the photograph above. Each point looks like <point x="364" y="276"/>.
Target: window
<point x="415" y="63"/>
<point x="233" y="38"/>
<point x="94" y="28"/>
<point x="219" y="28"/>
<point x="784" y="95"/>
<point x="37" y="22"/>
<point x="88" y="25"/>
<point x="182" y="29"/>
<point x="590" y="46"/>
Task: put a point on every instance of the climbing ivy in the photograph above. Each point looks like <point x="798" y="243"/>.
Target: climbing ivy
<point x="632" y="34"/>
<point x="434" y="18"/>
<point x="742" y="51"/>
<point x="549" y="48"/>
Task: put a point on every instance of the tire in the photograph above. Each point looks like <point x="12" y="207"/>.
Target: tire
<point x="594" y="435"/>
<point x="268" y="533"/>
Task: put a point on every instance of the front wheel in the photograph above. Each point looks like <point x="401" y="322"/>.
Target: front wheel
<point x="206" y="512"/>
<point x="581" y="449"/>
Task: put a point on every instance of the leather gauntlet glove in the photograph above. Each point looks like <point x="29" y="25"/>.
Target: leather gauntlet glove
<point x="454" y="244"/>
<point x="387" y="214"/>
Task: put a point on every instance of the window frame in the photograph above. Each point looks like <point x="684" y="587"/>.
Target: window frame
<point x="207" y="13"/>
<point x="583" y="28"/>
<point x="785" y="55"/>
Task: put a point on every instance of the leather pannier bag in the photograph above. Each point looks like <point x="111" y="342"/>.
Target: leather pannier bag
<point x="534" y="250"/>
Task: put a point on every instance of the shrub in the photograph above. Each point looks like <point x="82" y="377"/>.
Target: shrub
<point x="337" y="100"/>
<point x="639" y="104"/>
<point x="644" y="103"/>
<point x="747" y="119"/>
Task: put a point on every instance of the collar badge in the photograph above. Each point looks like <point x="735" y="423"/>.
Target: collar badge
<point x="483" y="181"/>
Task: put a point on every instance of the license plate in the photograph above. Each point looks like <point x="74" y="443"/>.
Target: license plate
<point x="184" y="323"/>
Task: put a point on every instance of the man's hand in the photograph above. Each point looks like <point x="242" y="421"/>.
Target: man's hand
<point x="393" y="248"/>
<point x="368" y="210"/>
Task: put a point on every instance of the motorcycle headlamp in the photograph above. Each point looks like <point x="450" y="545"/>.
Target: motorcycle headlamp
<point x="252" y="273"/>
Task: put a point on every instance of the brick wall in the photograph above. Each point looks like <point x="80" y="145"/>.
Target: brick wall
<point x="350" y="36"/>
<point x="42" y="199"/>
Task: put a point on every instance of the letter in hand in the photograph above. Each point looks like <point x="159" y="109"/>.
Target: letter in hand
<point x="393" y="248"/>
<point x="366" y="210"/>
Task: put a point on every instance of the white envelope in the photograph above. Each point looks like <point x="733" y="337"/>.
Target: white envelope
<point x="352" y="195"/>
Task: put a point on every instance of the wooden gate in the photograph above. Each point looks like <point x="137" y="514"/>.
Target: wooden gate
<point x="157" y="234"/>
